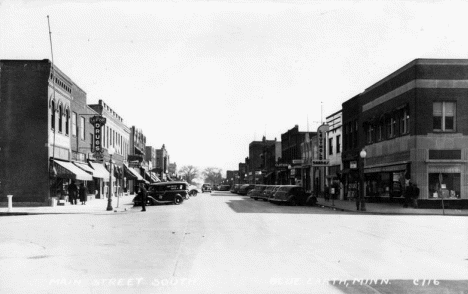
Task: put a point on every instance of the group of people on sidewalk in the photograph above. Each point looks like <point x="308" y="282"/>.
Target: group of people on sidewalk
<point x="411" y="195"/>
<point x="75" y="193"/>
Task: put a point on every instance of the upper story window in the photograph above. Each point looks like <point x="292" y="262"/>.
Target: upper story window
<point x="338" y="144"/>
<point x="391" y="126"/>
<point x="444" y="116"/>
<point x="60" y="120"/>
<point x="404" y="121"/>
<point x="82" y="128"/>
<point x="67" y="122"/>
<point x="52" y="115"/>
<point x="74" y="124"/>
<point x="381" y="130"/>
<point x="370" y="134"/>
<point x="330" y="146"/>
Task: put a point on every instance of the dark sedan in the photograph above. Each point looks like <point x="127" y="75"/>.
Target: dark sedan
<point x="244" y="189"/>
<point x="164" y="193"/>
<point x="290" y="194"/>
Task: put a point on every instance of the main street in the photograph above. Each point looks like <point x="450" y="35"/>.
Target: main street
<point x="225" y="243"/>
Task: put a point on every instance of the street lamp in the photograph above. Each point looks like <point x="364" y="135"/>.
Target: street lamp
<point x="363" y="155"/>
<point x="111" y="151"/>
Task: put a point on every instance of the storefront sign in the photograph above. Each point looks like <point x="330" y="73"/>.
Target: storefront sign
<point x="97" y="121"/>
<point x="298" y="161"/>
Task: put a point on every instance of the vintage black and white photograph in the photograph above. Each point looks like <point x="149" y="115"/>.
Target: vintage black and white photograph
<point x="233" y="146"/>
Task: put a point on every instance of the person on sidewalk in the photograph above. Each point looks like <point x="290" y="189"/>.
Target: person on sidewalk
<point x="409" y="191"/>
<point x="415" y="195"/>
<point x="143" y="194"/>
<point x="72" y="192"/>
<point x="83" y="194"/>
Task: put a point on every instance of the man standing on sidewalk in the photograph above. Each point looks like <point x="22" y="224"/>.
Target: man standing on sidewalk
<point x="143" y="194"/>
<point x="415" y="195"/>
<point x="409" y="191"/>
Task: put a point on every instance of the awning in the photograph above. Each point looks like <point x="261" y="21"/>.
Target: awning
<point x="380" y="169"/>
<point x="132" y="174"/>
<point x="84" y="167"/>
<point x="100" y="171"/>
<point x="68" y="170"/>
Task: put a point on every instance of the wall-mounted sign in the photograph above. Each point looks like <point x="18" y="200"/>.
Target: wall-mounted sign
<point x="298" y="161"/>
<point x="97" y="121"/>
<point x="324" y="162"/>
<point x="322" y="136"/>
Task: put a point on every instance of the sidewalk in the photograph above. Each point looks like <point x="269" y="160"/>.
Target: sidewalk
<point x="387" y="208"/>
<point x="96" y="206"/>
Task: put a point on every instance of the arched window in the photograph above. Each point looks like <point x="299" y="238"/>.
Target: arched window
<point x="67" y="121"/>
<point x="60" y="121"/>
<point x="52" y="114"/>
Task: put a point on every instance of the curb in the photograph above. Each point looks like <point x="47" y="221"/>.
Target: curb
<point x="58" y="213"/>
<point x="386" y="213"/>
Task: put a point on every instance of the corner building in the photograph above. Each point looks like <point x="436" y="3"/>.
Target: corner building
<point x="413" y="125"/>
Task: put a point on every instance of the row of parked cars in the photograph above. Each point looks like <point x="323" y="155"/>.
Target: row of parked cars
<point x="278" y="194"/>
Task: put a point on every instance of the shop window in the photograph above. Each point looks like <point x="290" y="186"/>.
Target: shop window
<point x="444" y="116"/>
<point x="446" y="185"/>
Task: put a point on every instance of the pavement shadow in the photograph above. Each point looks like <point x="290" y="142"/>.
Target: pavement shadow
<point x="248" y="205"/>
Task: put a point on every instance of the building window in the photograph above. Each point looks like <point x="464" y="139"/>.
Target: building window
<point x="67" y="122"/>
<point x="60" y="120"/>
<point x="370" y="134"/>
<point x="338" y="144"/>
<point x="445" y="185"/>
<point x="404" y="121"/>
<point x="355" y="133"/>
<point x="444" y="116"/>
<point x="82" y="128"/>
<point x="330" y="146"/>
<point x="391" y="124"/>
<point x="52" y="115"/>
<point x="380" y="134"/>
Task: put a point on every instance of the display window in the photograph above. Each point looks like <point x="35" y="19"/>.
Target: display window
<point x="446" y="185"/>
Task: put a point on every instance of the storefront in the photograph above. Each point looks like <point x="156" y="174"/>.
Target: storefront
<point x="386" y="181"/>
<point x="63" y="173"/>
<point x="101" y="176"/>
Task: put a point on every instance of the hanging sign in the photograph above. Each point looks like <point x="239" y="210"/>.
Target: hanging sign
<point x="97" y="121"/>
<point x="322" y="136"/>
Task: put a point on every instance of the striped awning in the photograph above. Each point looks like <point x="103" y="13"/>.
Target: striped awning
<point x="132" y="174"/>
<point x="68" y="170"/>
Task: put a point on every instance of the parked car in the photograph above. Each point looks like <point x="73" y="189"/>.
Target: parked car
<point x="290" y="194"/>
<point x="164" y="193"/>
<point x="235" y="188"/>
<point x="224" y="187"/>
<point x="256" y="192"/>
<point x="206" y="188"/>
<point x="193" y="190"/>
<point x="215" y="187"/>
<point x="244" y="189"/>
<point x="268" y="192"/>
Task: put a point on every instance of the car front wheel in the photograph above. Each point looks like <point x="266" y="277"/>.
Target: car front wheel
<point x="178" y="200"/>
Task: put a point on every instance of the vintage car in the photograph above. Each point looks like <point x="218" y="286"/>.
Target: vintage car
<point x="224" y="187"/>
<point x="290" y="194"/>
<point x="235" y="188"/>
<point x="256" y="192"/>
<point x="164" y="193"/>
<point x="268" y="192"/>
<point x="206" y="188"/>
<point x="244" y="189"/>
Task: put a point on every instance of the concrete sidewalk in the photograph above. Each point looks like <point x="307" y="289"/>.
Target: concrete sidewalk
<point x="96" y="206"/>
<point x="387" y="208"/>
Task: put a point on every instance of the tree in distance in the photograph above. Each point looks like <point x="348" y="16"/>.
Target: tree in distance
<point x="212" y="175"/>
<point x="188" y="173"/>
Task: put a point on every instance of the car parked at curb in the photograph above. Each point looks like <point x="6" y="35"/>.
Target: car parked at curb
<point x="256" y="192"/>
<point x="244" y="189"/>
<point x="268" y="192"/>
<point x="235" y="188"/>
<point x="164" y="193"/>
<point x="290" y="194"/>
<point x="224" y="187"/>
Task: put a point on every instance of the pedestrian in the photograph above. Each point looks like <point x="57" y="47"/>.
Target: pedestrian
<point x="327" y="193"/>
<point x="143" y="194"/>
<point x="83" y="194"/>
<point x="408" y="194"/>
<point x="415" y="195"/>
<point x="72" y="192"/>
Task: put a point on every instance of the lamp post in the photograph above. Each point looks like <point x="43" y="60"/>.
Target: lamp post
<point x="111" y="151"/>
<point x="363" y="155"/>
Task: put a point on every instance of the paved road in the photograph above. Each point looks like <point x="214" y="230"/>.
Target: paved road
<point x="224" y="243"/>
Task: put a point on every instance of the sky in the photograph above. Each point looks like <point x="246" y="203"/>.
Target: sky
<point x="206" y="78"/>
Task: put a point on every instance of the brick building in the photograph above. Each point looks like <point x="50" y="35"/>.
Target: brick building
<point x="413" y="126"/>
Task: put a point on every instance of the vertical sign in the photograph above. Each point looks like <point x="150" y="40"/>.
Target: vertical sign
<point x="322" y="136"/>
<point x="97" y="122"/>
